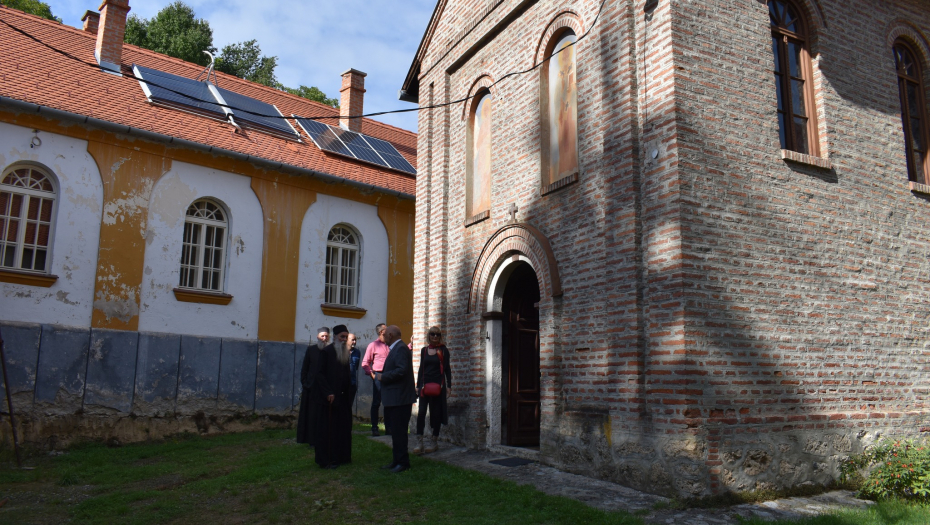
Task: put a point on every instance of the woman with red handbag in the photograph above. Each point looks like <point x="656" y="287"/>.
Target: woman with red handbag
<point x="434" y="383"/>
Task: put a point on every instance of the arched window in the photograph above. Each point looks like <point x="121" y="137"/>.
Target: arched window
<point x="479" y="156"/>
<point x="342" y="266"/>
<point x="913" y="111"/>
<point x="203" y="254"/>
<point x="793" y="73"/>
<point x="560" y="107"/>
<point x="27" y="205"/>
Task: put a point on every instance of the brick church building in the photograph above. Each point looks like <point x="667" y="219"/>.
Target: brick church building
<point x="685" y="250"/>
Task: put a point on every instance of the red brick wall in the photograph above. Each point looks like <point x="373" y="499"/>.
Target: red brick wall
<point x="729" y="320"/>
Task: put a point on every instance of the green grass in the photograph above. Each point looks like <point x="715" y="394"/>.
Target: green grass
<point x="882" y="513"/>
<point x="264" y="477"/>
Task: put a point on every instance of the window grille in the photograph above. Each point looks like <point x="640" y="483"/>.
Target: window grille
<point x="342" y="266"/>
<point x="203" y="253"/>
<point x="27" y="205"/>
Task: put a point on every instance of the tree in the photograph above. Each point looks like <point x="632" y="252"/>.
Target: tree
<point x="33" y="7"/>
<point x="175" y="31"/>
<point x="245" y="60"/>
<point x="312" y="93"/>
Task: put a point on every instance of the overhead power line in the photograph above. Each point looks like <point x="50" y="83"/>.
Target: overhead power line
<point x="320" y="117"/>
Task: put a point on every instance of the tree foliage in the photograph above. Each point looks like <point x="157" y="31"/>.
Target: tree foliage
<point x="245" y="60"/>
<point x="175" y="31"/>
<point x="312" y="93"/>
<point x="33" y="7"/>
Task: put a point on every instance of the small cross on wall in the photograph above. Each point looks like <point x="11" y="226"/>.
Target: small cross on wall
<point x="513" y="213"/>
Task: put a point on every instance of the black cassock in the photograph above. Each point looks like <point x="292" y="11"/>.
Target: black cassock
<point x="333" y="421"/>
<point x="308" y="408"/>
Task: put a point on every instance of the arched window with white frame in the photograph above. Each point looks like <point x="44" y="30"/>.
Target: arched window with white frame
<point x="203" y="253"/>
<point x="342" y="266"/>
<point x="27" y="207"/>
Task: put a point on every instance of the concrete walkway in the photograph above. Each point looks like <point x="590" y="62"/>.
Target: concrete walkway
<point x="613" y="497"/>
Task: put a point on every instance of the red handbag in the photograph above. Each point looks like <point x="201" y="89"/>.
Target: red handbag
<point x="434" y="389"/>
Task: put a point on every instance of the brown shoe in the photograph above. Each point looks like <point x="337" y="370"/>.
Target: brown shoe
<point x="418" y="444"/>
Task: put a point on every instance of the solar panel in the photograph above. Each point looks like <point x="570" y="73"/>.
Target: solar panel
<point x="180" y="92"/>
<point x="355" y="145"/>
<point x="250" y="111"/>
<point x="391" y="155"/>
<point x="324" y="138"/>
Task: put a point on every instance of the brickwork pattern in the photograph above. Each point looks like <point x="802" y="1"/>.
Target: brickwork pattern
<point x="111" y="30"/>
<point x="730" y="320"/>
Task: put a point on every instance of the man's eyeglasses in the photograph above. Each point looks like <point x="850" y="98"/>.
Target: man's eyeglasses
<point x="433" y="334"/>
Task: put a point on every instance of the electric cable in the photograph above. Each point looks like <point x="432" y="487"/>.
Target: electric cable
<point x="322" y="117"/>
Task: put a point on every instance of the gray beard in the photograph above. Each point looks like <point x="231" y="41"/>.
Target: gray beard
<point x="343" y="352"/>
<point x="321" y="344"/>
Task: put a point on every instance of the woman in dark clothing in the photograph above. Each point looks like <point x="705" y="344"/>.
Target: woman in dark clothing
<point x="434" y="368"/>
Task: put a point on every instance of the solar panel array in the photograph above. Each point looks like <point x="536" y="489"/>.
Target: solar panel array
<point x="173" y="90"/>
<point x="355" y="145"/>
<point x="251" y="111"/>
<point x="197" y="96"/>
<point x="204" y="98"/>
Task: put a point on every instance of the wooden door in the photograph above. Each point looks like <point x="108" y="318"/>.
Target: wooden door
<point x="521" y="311"/>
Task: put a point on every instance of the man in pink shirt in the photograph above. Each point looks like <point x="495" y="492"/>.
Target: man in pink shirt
<point x="373" y="363"/>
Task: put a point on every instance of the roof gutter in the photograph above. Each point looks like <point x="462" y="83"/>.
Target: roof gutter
<point x="29" y="107"/>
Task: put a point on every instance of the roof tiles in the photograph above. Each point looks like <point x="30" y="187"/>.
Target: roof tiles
<point x="56" y="68"/>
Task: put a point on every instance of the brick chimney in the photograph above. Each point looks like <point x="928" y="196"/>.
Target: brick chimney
<point x="110" y="32"/>
<point x="352" y="100"/>
<point x="91" y="21"/>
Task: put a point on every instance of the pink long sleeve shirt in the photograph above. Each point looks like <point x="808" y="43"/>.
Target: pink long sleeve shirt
<point x="375" y="355"/>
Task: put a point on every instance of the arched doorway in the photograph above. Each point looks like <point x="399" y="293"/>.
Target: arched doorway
<point x="520" y="403"/>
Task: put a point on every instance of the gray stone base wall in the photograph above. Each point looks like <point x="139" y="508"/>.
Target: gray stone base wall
<point x="72" y="383"/>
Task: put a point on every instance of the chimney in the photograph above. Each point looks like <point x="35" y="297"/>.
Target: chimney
<point x="91" y="21"/>
<point x="110" y="32"/>
<point x="352" y="99"/>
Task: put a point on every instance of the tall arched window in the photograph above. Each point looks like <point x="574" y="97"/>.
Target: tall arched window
<point x="560" y="104"/>
<point x="342" y="248"/>
<point x="913" y="111"/>
<point x="797" y="123"/>
<point x="479" y="156"/>
<point x="27" y="205"/>
<point x="203" y="254"/>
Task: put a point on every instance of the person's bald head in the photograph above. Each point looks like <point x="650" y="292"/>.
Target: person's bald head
<point x="391" y="334"/>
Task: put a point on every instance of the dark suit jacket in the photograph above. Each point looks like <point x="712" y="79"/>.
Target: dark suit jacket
<point x="397" y="386"/>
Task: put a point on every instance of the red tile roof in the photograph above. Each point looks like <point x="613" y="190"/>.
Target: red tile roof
<point x="32" y="72"/>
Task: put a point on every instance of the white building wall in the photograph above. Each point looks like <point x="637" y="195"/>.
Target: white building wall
<point x="325" y="213"/>
<point x="160" y="311"/>
<point x="76" y="232"/>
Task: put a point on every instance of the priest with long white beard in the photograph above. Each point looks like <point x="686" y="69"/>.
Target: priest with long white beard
<point x="305" y="417"/>
<point x="332" y="392"/>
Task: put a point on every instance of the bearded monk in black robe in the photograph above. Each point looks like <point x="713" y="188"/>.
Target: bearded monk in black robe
<point x="307" y="376"/>
<point x="332" y="393"/>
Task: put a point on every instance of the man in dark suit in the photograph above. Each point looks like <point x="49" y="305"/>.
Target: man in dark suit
<point x="398" y="394"/>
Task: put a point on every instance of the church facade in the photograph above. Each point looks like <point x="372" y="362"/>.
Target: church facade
<point x="683" y="247"/>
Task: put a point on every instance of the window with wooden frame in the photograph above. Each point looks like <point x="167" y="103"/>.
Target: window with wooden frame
<point x="203" y="253"/>
<point x="342" y="266"/>
<point x="27" y="206"/>
<point x="478" y="159"/>
<point x="913" y="111"/>
<point x="559" y="108"/>
<point x="797" y="116"/>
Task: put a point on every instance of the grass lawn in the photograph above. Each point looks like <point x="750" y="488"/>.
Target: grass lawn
<point x="264" y="477"/>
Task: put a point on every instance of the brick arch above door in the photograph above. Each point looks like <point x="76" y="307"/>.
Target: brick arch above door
<point x="511" y="240"/>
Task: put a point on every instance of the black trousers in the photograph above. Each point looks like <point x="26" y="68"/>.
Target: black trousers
<point x="376" y="404"/>
<point x="399" y="417"/>
<point x="435" y="421"/>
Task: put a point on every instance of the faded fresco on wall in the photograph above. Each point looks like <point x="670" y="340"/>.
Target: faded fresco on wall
<point x="481" y="157"/>
<point x="563" y="111"/>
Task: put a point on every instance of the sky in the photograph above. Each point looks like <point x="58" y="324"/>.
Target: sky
<point x="314" y="40"/>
